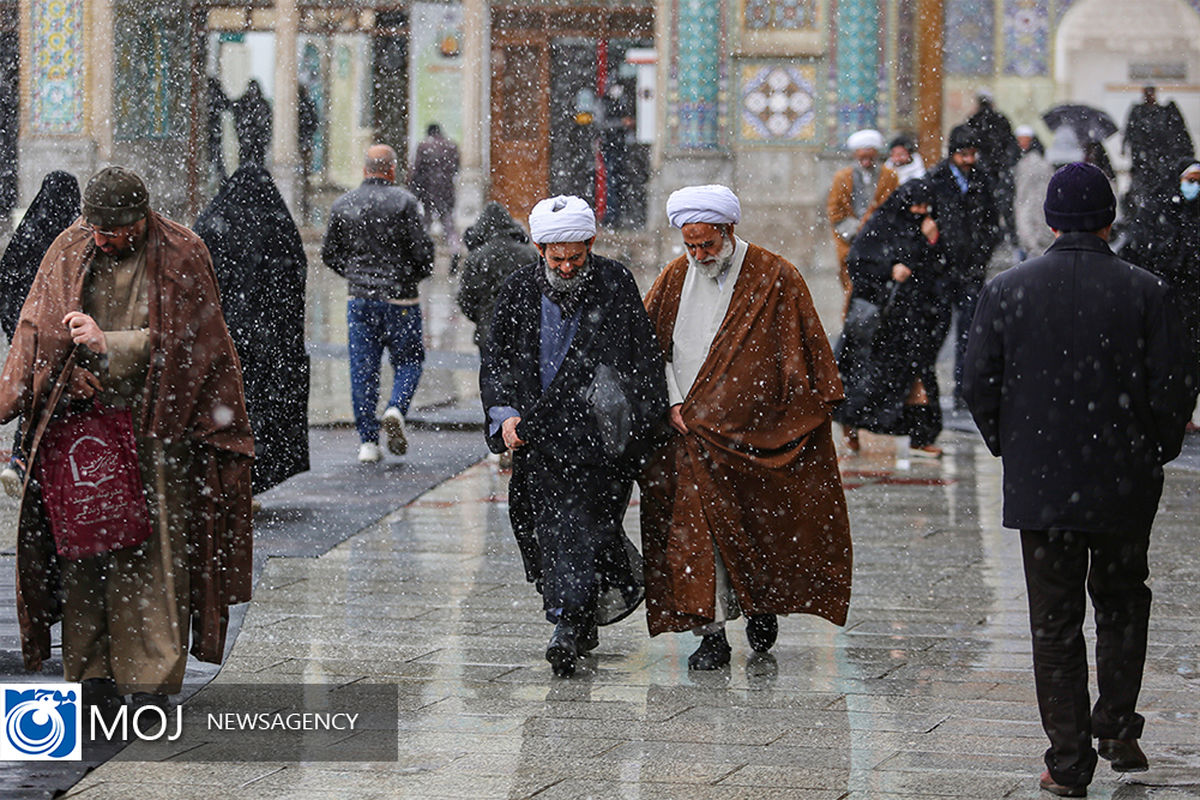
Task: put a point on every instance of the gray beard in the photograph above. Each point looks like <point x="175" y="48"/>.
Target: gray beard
<point x="718" y="264"/>
<point x="566" y="285"/>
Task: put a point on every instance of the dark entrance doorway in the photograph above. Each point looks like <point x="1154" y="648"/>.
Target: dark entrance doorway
<point x="564" y="111"/>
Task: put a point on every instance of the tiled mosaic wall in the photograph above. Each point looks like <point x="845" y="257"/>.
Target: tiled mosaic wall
<point x="56" y="68"/>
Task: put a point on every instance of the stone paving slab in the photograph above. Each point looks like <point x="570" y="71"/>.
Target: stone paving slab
<point x="926" y="693"/>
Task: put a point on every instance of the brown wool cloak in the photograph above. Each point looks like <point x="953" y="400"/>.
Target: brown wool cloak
<point x="193" y="392"/>
<point x="757" y="474"/>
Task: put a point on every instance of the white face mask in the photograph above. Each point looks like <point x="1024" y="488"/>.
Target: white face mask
<point x="1189" y="189"/>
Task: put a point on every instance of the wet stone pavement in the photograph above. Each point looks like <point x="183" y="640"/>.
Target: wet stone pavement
<point x="927" y="691"/>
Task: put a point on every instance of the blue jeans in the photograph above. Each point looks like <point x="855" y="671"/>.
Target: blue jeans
<point x="374" y="325"/>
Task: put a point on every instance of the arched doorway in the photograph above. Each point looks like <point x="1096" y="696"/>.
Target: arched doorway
<point x="1106" y="51"/>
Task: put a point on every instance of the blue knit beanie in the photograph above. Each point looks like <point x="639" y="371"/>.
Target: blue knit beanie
<point x="1079" y="198"/>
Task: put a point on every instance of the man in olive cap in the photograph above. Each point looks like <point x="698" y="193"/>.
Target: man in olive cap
<point x="124" y="311"/>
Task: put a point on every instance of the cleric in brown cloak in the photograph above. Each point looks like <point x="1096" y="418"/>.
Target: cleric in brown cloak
<point x="133" y="297"/>
<point x="743" y="510"/>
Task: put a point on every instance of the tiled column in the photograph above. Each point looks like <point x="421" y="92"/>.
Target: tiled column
<point x="858" y="50"/>
<point x="698" y="73"/>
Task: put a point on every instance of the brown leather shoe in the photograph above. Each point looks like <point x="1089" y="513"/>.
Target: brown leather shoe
<point x="1124" y="755"/>
<point x="1048" y="785"/>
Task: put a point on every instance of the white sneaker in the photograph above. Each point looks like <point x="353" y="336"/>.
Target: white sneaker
<point x="369" y="453"/>
<point x="393" y="426"/>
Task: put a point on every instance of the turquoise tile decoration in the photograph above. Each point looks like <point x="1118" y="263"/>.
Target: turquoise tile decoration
<point x="970" y="42"/>
<point x="56" y="72"/>
<point x="1027" y="44"/>
<point x="859" y="50"/>
<point x="699" y="73"/>
<point x="779" y="102"/>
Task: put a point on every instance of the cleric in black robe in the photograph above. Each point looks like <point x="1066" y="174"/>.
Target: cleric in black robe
<point x="261" y="271"/>
<point x="573" y="382"/>
<point x="54" y="208"/>
<point x="888" y="369"/>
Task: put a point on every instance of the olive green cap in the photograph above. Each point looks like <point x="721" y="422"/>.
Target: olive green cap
<point x="113" y="197"/>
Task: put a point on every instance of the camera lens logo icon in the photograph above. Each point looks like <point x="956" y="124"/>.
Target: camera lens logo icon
<point x="41" y="723"/>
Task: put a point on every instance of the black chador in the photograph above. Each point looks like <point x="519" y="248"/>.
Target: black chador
<point x="54" y="208"/>
<point x="261" y="270"/>
<point x="882" y="361"/>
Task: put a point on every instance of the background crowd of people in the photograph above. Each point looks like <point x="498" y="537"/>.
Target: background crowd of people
<point x="914" y="259"/>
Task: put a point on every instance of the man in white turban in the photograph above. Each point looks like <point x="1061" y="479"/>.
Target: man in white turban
<point x="572" y="383"/>
<point x="742" y="509"/>
<point x="856" y="192"/>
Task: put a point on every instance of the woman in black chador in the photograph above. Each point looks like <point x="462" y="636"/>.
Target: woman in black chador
<point x="55" y="207"/>
<point x="261" y="272"/>
<point x="899" y="317"/>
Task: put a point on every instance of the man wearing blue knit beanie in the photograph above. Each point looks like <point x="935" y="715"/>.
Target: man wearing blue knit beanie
<point x="1077" y="375"/>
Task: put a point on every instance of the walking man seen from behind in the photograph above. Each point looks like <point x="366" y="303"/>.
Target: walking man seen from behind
<point x="377" y="243"/>
<point x="1077" y="376"/>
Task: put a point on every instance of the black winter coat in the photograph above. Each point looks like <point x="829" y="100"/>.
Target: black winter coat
<point x="969" y="223"/>
<point x="1077" y="377"/>
<point x="377" y="242"/>
<point x="497" y="246"/>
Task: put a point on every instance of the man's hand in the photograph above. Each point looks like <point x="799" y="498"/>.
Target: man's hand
<point x="508" y="429"/>
<point x="676" y="419"/>
<point x="85" y="331"/>
<point x="900" y="273"/>
<point x="83" y="384"/>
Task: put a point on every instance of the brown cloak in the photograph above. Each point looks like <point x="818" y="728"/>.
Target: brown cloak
<point x="757" y="474"/>
<point x="193" y="393"/>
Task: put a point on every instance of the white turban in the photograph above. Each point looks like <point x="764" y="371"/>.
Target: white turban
<point x="1024" y="130"/>
<point x="865" y="140"/>
<point x="714" y="204"/>
<point x="562" y="219"/>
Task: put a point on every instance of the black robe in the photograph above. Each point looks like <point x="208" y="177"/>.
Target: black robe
<point x="914" y="317"/>
<point x="586" y="436"/>
<point x="1156" y="137"/>
<point x="261" y="271"/>
<point x="54" y="208"/>
<point x="253" y="124"/>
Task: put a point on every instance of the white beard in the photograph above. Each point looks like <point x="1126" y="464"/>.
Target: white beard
<point x="718" y="263"/>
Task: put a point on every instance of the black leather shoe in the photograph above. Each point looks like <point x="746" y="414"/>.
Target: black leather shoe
<point x="1061" y="790"/>
<point x="1123" y="754"/>
<point x="713" y="652"/>
<point x="761" y="631"/>
<point x="588" y="640"/>
<point x="562" y="650"/>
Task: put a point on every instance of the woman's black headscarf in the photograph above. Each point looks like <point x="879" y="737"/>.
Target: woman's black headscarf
<point x="55" y="207"/>
<point x="892" y="220"/>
